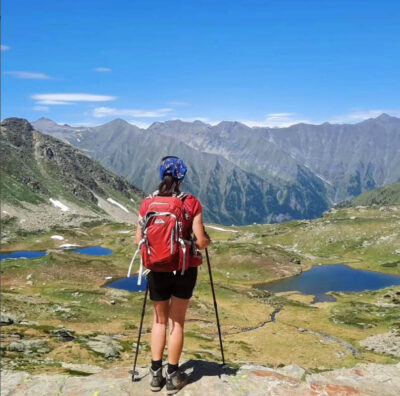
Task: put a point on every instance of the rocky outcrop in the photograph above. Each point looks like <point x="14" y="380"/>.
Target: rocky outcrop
<point x="207" y="378"/>
<point x="388" y="343"/>
<point x="105" y="345"/>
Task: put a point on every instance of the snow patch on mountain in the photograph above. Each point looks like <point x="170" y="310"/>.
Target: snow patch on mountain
<point x="117" y="204"/>
<point x="59" y="204"/>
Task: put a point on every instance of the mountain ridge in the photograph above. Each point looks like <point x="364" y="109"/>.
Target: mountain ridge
<point x="327" y="163"/>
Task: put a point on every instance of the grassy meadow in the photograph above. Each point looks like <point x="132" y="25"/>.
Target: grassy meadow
<point x="63" y="290"/>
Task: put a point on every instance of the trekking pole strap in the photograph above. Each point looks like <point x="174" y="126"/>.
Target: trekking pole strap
<point x="133" y="258"/>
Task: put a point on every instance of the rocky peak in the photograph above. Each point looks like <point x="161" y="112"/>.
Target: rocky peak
<point x="18" y="131"/>
<point x="385" y="117"/>
<point x="118" y="122"/>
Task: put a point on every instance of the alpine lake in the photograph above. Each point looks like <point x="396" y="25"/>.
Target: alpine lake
<point x="271" y="281"/>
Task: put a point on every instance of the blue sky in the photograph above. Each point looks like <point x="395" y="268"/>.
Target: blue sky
<point x="265" y="62"/>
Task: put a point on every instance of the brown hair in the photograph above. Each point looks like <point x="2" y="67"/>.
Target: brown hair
<point x="169" y="186"/>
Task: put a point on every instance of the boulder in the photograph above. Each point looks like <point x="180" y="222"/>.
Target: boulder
<point x="105" y="345"/>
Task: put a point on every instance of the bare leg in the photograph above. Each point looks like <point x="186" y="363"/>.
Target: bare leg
<point x="177" y="313"/>
<point x="158" y="332"/>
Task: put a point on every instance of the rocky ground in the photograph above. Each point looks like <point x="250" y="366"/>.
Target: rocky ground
<point x="208" y="378"/>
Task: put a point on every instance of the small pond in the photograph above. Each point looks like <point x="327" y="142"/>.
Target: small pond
<point x="321" y="279"/>
<point x="129" y="284"/>
<point x="29" y="254"/>
<point x="93" y="251"/>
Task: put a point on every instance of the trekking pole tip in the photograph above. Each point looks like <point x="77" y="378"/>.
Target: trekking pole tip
<point x="134" y="375"/>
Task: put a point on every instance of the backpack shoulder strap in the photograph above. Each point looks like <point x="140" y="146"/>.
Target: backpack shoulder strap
<point x="153" y="194"/>
<point x="182" y="196"/>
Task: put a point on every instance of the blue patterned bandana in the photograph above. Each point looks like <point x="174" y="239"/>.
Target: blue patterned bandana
<point x="173" y="166"/>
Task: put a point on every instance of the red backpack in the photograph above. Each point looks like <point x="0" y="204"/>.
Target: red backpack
<point x="163" y="247"/>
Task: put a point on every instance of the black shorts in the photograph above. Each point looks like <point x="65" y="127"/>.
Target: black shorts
<point x="163" y="285"/>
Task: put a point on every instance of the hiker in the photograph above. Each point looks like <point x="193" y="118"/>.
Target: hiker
<point x="170" y="292"/>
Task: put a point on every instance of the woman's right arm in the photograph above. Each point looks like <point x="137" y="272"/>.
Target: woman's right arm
<point x="138" y="236"/>
<point x="202" y="239"/>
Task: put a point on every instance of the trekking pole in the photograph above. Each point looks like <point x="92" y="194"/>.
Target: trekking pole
<point x="216" y="308"/>
<point x="140" y="332"/>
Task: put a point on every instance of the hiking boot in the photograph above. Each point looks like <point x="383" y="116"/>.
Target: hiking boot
<point x="175" y="381"/>
<point x="157" y="380"/>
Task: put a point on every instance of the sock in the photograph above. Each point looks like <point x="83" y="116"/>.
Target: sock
<point x="171" y="368"/>
<point x="156" y="364"/>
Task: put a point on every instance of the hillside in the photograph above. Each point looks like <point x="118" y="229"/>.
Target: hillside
<point x="46" y="183"/>
<point x="244" y="175"/>
<point x="382" y="196"/>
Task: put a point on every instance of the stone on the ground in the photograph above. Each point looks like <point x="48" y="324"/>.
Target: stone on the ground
<point x="83" y="368"/>
<point x="292" y="370"/>
<point x="388" y="343"/>
<point x="63" y="334"/>
<point x="105" y="345"/>
<point x="7" y="319"/>
<point x="28" y="346"/>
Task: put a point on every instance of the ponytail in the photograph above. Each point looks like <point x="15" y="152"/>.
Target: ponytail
<point x="169" y="186"/>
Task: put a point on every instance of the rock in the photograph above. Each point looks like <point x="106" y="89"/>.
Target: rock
<point x="209" y="378"/>
<point x="83" y="368"/>
<point x="28" y="346"/>
<point x="29" y="277"/>
<point x="292" y="370"/>
<point x="105" y="345"/>
<point x="7" y="319"/>
<point x="63" y="334"/>
<point x="16" y="346"/>
<point x="388" y="343"/>
<point x="59" y="308"/>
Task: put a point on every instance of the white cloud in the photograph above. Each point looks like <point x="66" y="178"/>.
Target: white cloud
<point x="53" y="102"/>
<point x="5" y="47"/>
<point x="361" y="115"/>
<point x="178" y="103"/>
<point x="275" y="120"/>
<point x="40" y="108"/>
<point x="70" y="98"/>
<point x="136" y="113"/>
<point x="29" y="75"/>
<point x="102" y="69"/>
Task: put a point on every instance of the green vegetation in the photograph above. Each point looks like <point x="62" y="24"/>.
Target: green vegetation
<point x="386" y="195"/>
<point x="64" y="289"/>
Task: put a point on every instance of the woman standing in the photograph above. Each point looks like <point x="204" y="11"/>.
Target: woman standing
<point x="170" y="292"/>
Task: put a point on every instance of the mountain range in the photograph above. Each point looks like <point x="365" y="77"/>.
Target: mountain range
<point x="244" y="175"/>
<point x="46" y="182"/>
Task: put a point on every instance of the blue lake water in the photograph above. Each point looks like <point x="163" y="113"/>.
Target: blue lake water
<point x="94" y="251"/>
<point x="321" y="279"/>
<point x="129" y="284"/>
<point x="22" y="254"/>
<point x="30" y="254"/>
